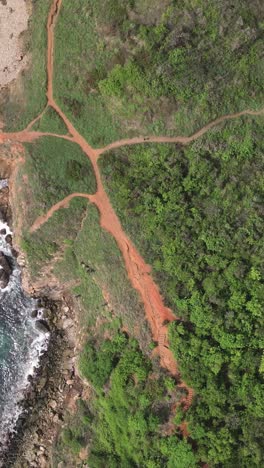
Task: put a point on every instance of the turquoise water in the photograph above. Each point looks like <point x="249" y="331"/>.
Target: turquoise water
<point x="21" y="346"/>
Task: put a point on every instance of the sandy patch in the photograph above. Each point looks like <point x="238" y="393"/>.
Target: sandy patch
<point x="13" y="21"/>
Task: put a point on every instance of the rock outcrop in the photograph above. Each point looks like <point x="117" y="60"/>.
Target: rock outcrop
<point x="5" y="270"/>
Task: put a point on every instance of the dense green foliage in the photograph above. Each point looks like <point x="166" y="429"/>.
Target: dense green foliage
<point x="147" y="66"/>
<point x="129" y="411"/>
<point x="196" y="213"/>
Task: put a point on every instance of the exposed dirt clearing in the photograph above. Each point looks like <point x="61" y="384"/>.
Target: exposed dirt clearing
<point x="13" y="21"/>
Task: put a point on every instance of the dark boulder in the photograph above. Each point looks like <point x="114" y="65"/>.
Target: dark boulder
<point x="8" y="239"/>
<point x="42" y="326"/>
<point x="34" y="314"/>
<point x="5" y="271"/>
<point x="4" y="263"/>
<point x="4" y="279"/>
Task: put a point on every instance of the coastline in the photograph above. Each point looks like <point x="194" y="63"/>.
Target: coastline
<point x="55" y="384"/>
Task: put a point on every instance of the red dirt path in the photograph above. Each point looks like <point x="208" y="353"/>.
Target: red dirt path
<point x="138" y="271"/>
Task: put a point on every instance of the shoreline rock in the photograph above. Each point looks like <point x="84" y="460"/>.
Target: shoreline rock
<point x="56" y="382"/>
<point x="44" y="402"/>
<point x="5" y="270"/>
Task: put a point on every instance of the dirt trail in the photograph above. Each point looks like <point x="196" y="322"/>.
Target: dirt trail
<point x="138" y="271"/>
<point x="28" y="137"/>
<point x="61" y="204"/>
<point x="183" y="140"/>
<point x="30" y="125"/>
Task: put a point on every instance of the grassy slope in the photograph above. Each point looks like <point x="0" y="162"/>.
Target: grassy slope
<point x="50" y="122"/>
<point x="95" y="260"/>
<point x="195" y="214"/>
<point x="137" y="68"/>
<point x="54" y="169"/>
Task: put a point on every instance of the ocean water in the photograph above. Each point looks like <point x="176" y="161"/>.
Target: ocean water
<point x="21" y="345"/>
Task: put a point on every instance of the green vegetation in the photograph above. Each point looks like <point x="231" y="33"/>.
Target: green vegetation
<point x="85" y="255"/>
<point x="156" y="67"/>
<point x="42" y="245"/>
<point x="54" y="168"/>
<point x="22" y="103"/>
<point x="50" y="122"/>
<point x="126" y="419"/>
<point x="196" y="214"/>
<point x="95" y="262"/>
<point x="139" y="67"/>
<point x="75" y="436"/>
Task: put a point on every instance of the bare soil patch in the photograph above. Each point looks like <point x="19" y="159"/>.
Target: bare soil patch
<point x="14" y="16"/>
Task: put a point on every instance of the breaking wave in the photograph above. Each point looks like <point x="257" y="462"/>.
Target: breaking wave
<point x="21" y="343"/>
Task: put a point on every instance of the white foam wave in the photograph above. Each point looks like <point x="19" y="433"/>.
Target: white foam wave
<point x="34" y="344"/>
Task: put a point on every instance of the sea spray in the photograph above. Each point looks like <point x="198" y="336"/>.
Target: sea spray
<point x="21" y="342"/>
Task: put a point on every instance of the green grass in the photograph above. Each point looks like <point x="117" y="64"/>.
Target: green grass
<point x="97" y="250"/>
<point x="50" y="122"/>
<point x="73" y="85"/>
<point x="74" y="436"/>
<point x="51" y="238"/>
<point x="138" y="73"/>
<point x="28" y="98"/>
<point x="56" y="168"/>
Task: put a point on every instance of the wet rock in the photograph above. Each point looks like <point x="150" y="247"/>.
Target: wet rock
<point x="8" y="239"/>
<point x="46" y="313"/>
<point x="14" y="253"/>
<point x="42" y="383"/>
<point x="42" y="326"/>
<point x="4" y="279"/>
<point x="34" y="314"/>
<point x="4" y="263"/>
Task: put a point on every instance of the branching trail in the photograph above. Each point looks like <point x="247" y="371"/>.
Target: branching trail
<point x="138" y="271"/>
<point x="61" y="204"/>
<point x="30" y="125"/>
